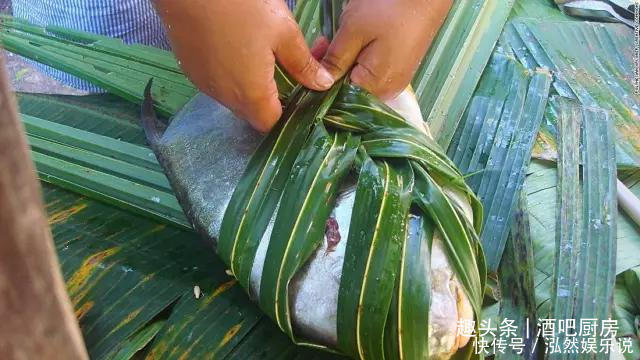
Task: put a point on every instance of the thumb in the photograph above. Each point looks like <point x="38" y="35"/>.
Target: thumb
<point x="294" y="55"/>
<point x="343" y="51"/>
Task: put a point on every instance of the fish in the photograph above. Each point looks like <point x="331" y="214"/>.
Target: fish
<point x="204" y="150"/>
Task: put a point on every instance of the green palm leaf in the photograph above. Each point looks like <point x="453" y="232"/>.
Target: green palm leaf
<point x="585" y="248"/>
<point x="414" y="304"/>
<point x="300" y="222"/>
<point x="256" y="196"/>
<point x="448" y="75"/>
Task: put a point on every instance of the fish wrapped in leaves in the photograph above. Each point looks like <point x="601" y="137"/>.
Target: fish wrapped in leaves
<point x="348" y="224"/>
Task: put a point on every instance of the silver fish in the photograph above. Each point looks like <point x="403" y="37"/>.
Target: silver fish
<point x="204" y="152"/>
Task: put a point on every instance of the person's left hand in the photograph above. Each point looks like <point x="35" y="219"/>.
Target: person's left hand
<point x="384" y="41"/>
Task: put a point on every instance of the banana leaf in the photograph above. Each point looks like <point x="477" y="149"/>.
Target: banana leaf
<point x="132" y="280"/>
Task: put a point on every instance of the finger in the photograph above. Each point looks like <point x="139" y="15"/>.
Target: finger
<point x="294" y="55"/>
<point x="383" y="76"/>
<point x="342" y="51"/>
<point x="261" y="109"/>
<point x="319" y="47"/>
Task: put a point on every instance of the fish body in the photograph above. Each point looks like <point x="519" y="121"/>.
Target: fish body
<point x="204" y="152"/>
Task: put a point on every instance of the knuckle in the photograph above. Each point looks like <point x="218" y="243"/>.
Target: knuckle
<point x="380" y="84"/>
<point x="332" y="62"/>
<point x="304" y="67"/>
<point x="365" y="75"/>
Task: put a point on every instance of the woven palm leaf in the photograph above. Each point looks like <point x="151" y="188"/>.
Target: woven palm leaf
<point x="408" y="196"/>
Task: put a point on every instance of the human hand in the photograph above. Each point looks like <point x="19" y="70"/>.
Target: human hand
<point x="384" y="41"/>
<point x="229" y="48"/>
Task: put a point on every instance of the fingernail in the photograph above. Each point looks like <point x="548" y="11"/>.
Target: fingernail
<point x="323" y="78"/>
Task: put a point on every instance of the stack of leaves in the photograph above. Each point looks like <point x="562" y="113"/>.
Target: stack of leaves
<point x="113" y="171"/>
<point x="407" y="192"/>
<point x="492" y="145"/>
<point x="106" y="62"/>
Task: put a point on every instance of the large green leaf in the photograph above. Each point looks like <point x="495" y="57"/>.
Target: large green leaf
<point x="591" y="63"/>
<point x="138" y="341"/>
<point x="132" y="280"/>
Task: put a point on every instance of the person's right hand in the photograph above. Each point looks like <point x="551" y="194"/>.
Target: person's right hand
<point x="228" y="49"/>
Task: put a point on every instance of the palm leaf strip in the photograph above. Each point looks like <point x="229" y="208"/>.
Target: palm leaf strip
<point x="102" y="168"/>
<point x="415" y="294"/>
<point x="258" y="192"/>
<point x="518" y="303"/>
<point x="449" y="73"/>
<point x="494" y="141"/>
<point x="584" y="273"/>
<point x="299" y="225"/>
